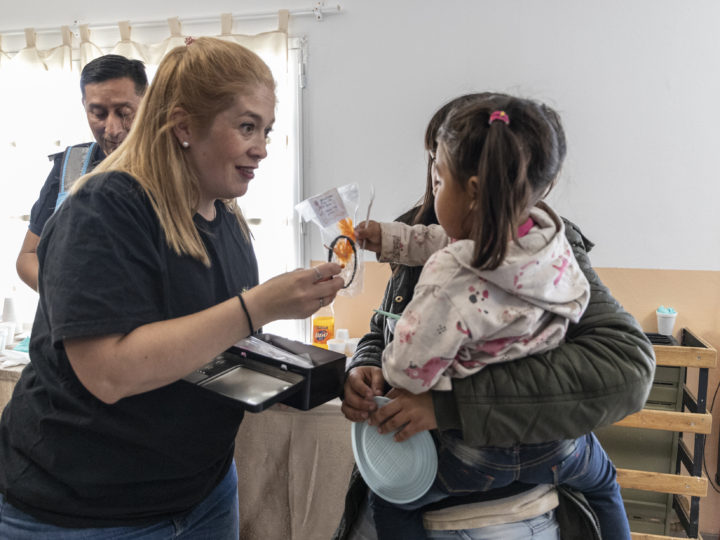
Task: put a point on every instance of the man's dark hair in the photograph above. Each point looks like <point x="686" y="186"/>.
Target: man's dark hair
<point x="114" y="66"/>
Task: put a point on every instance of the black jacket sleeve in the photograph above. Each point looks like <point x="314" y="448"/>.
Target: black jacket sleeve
<point x="398" y="293"/>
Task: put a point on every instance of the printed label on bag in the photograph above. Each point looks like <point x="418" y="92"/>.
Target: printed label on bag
<point x="328" y="207"/>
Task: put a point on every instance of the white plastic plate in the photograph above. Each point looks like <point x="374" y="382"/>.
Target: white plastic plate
<point x="398" y="472"/>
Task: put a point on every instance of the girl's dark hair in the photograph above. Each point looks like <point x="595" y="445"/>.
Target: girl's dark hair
<point x="424" y="214"/>
<point x="515" y="165"/>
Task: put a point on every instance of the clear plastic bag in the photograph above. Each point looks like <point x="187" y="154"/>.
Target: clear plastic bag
<point x="331" y="212"/>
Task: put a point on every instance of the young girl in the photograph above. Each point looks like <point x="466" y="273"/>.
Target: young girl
<point x="506" y="287"/>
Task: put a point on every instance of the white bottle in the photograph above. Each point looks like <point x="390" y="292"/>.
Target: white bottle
<point x="337" y="343"/>
<point x="350" y="346"/>
<point x="9" y="316"/>
<point x="342" y="334"/>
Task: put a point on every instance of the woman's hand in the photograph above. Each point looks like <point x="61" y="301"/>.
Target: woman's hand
<point x="293" y="295"/>
<point x="362" y="385"/>
<point x="369" y="235"/>
<point x="407" y="414"/>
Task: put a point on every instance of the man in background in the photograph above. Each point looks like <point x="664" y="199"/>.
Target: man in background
<point x="112" y="87"/>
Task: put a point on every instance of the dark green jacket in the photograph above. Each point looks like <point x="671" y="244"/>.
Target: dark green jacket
<point x="601" y="374"/>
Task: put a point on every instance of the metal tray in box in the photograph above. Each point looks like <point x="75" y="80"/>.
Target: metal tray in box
<point x="265" y="369"/>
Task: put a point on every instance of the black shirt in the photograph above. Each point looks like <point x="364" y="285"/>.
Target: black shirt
<point x="105" y="267"/>
<point x="45" y="204"/>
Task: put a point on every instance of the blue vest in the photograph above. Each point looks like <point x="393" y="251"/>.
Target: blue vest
<point x="76" y="163"/>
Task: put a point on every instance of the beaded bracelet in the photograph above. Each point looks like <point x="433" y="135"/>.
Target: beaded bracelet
<point x="247" y="313"/>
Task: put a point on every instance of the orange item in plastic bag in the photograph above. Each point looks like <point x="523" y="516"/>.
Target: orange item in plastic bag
<point x="342" y="249"/>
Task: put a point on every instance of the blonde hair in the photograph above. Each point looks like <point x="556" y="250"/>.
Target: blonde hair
<point x="203" y="79"/>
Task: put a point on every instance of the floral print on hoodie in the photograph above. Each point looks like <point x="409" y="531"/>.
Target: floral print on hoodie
<point x="461" y="319"/>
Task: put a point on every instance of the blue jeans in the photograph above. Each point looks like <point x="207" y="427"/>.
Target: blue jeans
<point x="215" y="518"/>
<point x="542" y="527"/>
<point x="581" y="464"/>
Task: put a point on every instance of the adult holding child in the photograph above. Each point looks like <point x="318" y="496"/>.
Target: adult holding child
<point x="600" y="374"/>
<point x="147" y="273"/>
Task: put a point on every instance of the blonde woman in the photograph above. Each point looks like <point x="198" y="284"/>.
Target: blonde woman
<point x="147" y="273"/>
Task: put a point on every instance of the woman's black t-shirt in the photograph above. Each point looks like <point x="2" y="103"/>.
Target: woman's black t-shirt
<point x="105" y="268"/>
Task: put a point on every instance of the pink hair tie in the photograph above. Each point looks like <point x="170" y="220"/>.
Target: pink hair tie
<point x="189" y="40"/>
<point x="499" y="115"/>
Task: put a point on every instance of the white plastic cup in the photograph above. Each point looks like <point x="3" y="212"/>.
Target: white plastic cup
<point x="337" y="345"/>
<point x="665" y="322"/>
<point x="3" y="338"/>
<point x="342" y="334"/>
<point x="9" y="328"/>
<point x="350" y="346"/>
<point x="8" y="313"/>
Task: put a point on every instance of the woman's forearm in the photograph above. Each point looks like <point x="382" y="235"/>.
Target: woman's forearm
<point x="153" y="355"/>
<point x="156" y="354"/>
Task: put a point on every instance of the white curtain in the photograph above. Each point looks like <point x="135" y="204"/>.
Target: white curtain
<point x="41" y="114"/>
<point x="4" y="57"/>
<point x="60" y="57"/>
<point x="29" y="56"/>
<point x="40" y="110"/>
<point x="127" y="47"/>
<point x="176" y="39"/>
<point x="88" y="50"/>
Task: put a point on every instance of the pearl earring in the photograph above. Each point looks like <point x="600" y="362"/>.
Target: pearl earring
<point x="185" y="144"/>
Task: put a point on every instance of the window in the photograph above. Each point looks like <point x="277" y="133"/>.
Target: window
<point x="271" y="198"/>
<point x="36" y="123"/>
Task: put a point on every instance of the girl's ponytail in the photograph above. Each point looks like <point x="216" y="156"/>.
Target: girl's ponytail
<point x="514" y="147"/>
<point x="501" y="174"/>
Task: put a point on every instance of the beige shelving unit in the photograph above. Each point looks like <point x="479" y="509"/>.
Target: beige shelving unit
<point x="661" y="478"/>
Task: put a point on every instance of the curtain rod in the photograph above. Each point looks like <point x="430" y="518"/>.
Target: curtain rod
<point x="319" y="11"/>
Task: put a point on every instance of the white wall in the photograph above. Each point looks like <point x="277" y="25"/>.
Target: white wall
<point x="636" y="83"/>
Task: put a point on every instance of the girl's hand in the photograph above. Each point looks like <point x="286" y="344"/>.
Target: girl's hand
<point x="369" y="235"/>
<point x="407" y="414"/>
<point x="362" y="384"/>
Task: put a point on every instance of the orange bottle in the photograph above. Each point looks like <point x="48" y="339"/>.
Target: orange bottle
<point x="323" y="326"/>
